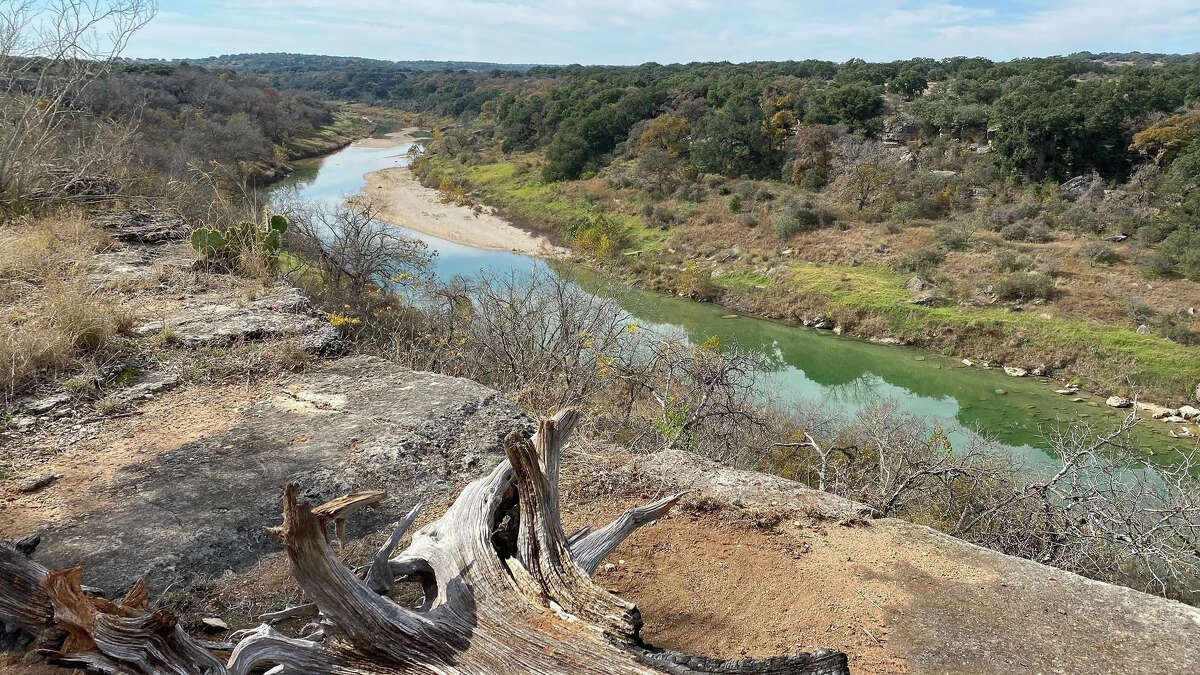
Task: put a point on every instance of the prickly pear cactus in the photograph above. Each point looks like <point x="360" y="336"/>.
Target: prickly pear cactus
<point x="266" y="238"/>
<point x="207" y="240"/>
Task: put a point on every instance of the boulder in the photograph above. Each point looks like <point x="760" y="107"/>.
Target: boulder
<point x="1189" y="412"/>
<point x="968" y="362"/>
<point x="46" y="404"/>
<point x="1143" y="329"/>
<point x="917" y="284"/>
<point x="1078" y="186"/>
<point x="35" y="483"/>
<point x="927" y="300"/>
<point x="1118" y="402"/>
<point x="212" y="624"/>
<point x="1013" y="371"/>
<point x="1156" y="411"/>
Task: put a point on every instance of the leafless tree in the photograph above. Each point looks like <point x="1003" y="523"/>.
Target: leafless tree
<point x="50" y="51"/>
<point x="705" y="396"/>
<point x="353" y="250"/>
<point x="539" y="337"/>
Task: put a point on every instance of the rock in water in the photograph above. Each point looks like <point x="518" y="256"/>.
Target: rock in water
<point x="1013" y="371"/>
<point x="1118" y="402"/>
<point x="1188" y="412"/>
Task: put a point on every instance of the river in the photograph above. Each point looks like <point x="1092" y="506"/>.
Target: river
<point x="806" y="365"/>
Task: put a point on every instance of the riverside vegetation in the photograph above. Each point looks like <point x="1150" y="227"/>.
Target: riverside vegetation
<point x="644" y="176"/>
<point x="1043" y="210"/>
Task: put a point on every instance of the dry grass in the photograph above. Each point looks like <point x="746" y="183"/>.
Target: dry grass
<point x="53" y="317"/>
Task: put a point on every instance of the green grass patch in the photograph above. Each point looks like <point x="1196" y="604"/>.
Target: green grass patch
<point x="742" y="280"/>
<point x="1163" y="368"/>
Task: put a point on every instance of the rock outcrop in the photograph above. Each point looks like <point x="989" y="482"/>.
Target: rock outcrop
<point x="352" y="424"/>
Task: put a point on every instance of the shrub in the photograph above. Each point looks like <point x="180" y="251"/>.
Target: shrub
<point x="799" y="217"/>
<point x="696" y="282"/>
<point x="1080" y="218"/>
<point x="1007" y="214"/>
<point x="660" y="216"/>
<point x="597" y="235"/>
<point x="1138" y="311"/>
<point x="1026" y="286"/>
<point x="903" y="212"/>
<point x="690" y="192"/>
<point x="920" y="260"/>
<point x="954" y="238"/>
<point x="815" y="178"/>
<point x="1031" y="230"/>
<point x="1099" y="253"/>
<point x="1176" y="330"/>
<point x="735" y="204"/>
<point x="1010" y="261"/>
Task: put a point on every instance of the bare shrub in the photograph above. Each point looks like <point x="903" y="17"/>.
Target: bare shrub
<point x="50" y="52"/>
<point x="1100" y="508"/>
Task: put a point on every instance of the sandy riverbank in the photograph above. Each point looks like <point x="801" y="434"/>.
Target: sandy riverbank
<point x="404" y="201"/>
<point x="391" y="140"/>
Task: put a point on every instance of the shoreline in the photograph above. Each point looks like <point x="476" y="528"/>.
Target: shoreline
<point x="389" y="140"/>
<point x="403" y="201"/>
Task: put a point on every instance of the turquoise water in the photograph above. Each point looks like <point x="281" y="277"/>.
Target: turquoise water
<point x="807" y="366"/>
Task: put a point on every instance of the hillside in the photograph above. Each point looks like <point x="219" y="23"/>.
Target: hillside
<point x="750" y="565"/>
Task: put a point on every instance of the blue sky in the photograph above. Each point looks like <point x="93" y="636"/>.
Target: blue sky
<point x="666" y="31"/>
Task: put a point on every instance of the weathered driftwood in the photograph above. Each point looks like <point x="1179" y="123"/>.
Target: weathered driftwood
<point x="506" y="591"/>
<point x="340" y="509"/>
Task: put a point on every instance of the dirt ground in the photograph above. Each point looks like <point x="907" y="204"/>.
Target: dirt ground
<point x="86" y="461"/>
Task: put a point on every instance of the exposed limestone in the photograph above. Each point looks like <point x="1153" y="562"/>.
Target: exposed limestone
<point x="1131" y="632"/>
<point x="200" y="509"/>
<point x="144" y="228"/>
<point x="1013" y="371"/>
<point x="282" y="312"/>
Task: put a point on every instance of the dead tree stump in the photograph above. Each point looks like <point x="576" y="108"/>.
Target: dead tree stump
<point x="506" y="591"/>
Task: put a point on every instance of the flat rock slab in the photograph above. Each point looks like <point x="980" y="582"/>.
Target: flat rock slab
<point x="358" y="423"/>
<point x="282" y="312"/>
<point x="1005" y="614"/>
<point x="688" y="471"/>
<point x="144" y="228"/>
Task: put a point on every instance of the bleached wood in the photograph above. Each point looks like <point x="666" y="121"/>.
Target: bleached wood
<point x="511" y="599"/>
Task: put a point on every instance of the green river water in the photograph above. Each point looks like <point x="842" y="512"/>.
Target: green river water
<point x="806" y="365"/>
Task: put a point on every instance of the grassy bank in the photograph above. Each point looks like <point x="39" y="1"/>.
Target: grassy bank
<point x="345" y="128"/>
<point x="869" y="300"/>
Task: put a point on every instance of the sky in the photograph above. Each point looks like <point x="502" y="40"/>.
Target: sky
<point x="666" y="31"/>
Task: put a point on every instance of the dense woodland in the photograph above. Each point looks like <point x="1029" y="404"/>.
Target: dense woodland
<point x="811" y="123"/>
<point x="163" y="130"/>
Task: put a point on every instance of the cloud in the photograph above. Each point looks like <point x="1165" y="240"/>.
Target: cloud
<point x="636" y="31"/>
